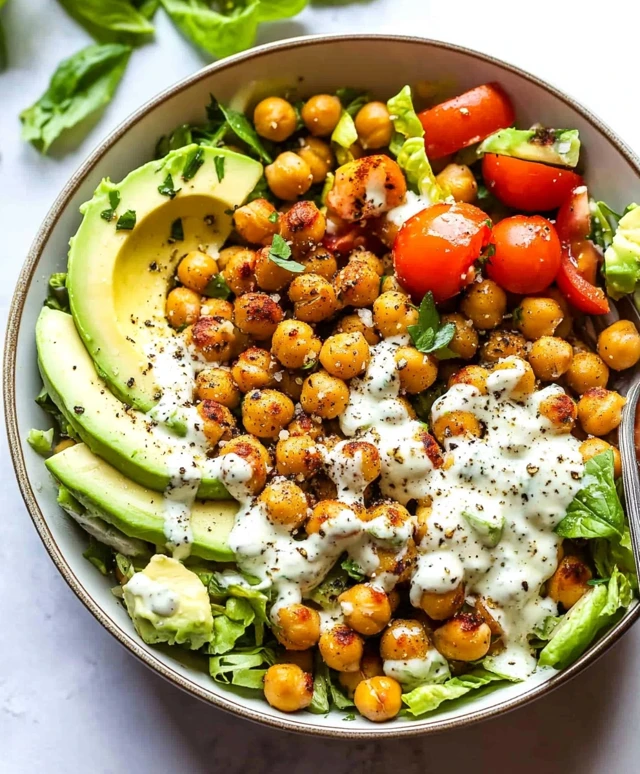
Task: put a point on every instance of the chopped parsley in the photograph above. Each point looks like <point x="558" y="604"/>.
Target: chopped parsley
<point x="429" y="335"/>
<point x="126" y="221"/>
<point x="193" y="164"/>
<point x="114" y="201"/>
<point x="273" y="218"/>
<point x="219" y="162"/>
<point x="177" y="231"/>
<point x="166" y="188"/>
<point x="217" y="288"/>
<point x="280" y="254"/>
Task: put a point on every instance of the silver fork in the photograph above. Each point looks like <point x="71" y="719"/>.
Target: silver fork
<point x="630" y="476"/>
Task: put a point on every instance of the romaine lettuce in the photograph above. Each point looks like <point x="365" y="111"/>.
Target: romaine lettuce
<point x="326" y="694"/>
<point x="344" y="136"/>
<point x="622" y="257"/>
<point x="427" y="698"/>
<point x="245" y="667"/>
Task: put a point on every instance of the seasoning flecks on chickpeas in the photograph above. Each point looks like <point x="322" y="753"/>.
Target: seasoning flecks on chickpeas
<point x="289" y="176"/>
<point x="255" y="223"/>
<point x="266" y="412"/>
<point x="275" y="119"/>
<point x="196" y="270"/>
<point x="257" y="315"/>
<point x="313" y="297"/>
<point x="321" y="114"/>
<point x="345" y="355"/>
<point x="619" y="345"/>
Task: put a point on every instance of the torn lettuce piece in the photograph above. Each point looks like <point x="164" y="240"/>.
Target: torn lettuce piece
<point x="244" y="667"/>
<point x="229" y="624"/>
<point x="326" y="692"/>
<point x="343" y="137"/>
<point x="237" y="608"/>
<point x="100" y="556"/>
<point x="489" y="532"/>
<point x="622" y="257"/>
<point x="405" y="120"/>
<point x="41" y="441"/>
<point x="548" y="146"/>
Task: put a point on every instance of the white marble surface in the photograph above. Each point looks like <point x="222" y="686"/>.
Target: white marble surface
<point x="71" y="699"/>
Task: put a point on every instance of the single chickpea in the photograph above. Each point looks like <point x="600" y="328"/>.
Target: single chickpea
<point x="269" y="275"/>
<point x="341" y="648"/>
<point x="458" y="179"/>
<point x="323" y="512"/>
<point x="560" y="410"/>
<point x="313" y="298"/>
<point x="569" y="582"/>
<point x="392" y="513"/>
<point x="254" y="370"/>
<point x="455" y="423"/>
<point x="587" y="370"/>
<point x="226" y="253"/>
<point x="354" y="323"/>
<point x="297" y="627"/>
<point x="295" y="344"/>
<point x="218" y="423"/>
<point x="217" y="384"/>
<point x="500" y="344"/>
<point x="374" y="126"/>
<point x="465" y="637"/>
<point x="600" y="411"/>
<point x="370" y="666"/>
<point x="285" y="504"/>
<point x="239" y="273"/>
<point x="324" y="395"/>
<point x="564" y="328"/>
<point x="287" y="688"/>
<point x="320" y="261"/>
<point x="594" y="446"/>
<point x="485" y="304"/>
<point x="401" y="565"/>
<point x="537" y="317"/>
<point x="288" y="176"/>
<point x="274" y="119"/>
<point x="465" y="339"/>
<point x="393" y="313"/>
<point x="196" y="270"/>
<point x="368" y="456"/>
<point x="369" y="259"/>
<point x="297" y="456"/>
<point x="390" y="284"/>
<point x="318" y="156"/>
<point x="63" y="445"/>
<point x="216" y="307"/>
<point x="404" y="639"/>
<point x="619" y="345"/>
<point x="365" y="609"/>
<point x="357" y="284"/>
<point x="255" y="221"/>
<point x="345" y="355"/>
<point x="378" y="698"/>
<point x="321" y="114"/>
<point x="303" y="425"/>
<point x="303" y="227"/>
<point x="474" y="375"/>
<point x="416" y="370"/>
<point x="266" y="412"/>
<point x="252" y="451"/>
<point x="439" y="607"/>
<point x="214" y="338"/>
<point x="550" y="357"/>
<point x="351" y="197"/>
<point x="525" y="384"/>
<point x="483" y="607"/>
<point x="257" y="315"/>
<point x="183" y="307"/>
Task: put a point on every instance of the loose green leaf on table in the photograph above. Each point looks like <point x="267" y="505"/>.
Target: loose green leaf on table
<point x="83" y="84"/>
<point x="3" y="43"/>
<point x="429" y="335"/>
<point x="110" y="21"/>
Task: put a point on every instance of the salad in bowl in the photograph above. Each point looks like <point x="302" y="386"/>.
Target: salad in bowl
<point x="324" y="403"/>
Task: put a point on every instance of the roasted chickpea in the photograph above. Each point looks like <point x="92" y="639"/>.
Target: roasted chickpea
<point x="587" y="370"/>
<point x="367" y="188"/>
<point x="318" y="156"/>
<point x="439" y="607"/>
<point x="550" y="357"/>
<point x="303" y="227"/>
<point x="323" y="512"/>
<point x="345" y="355"/>
<point x="217" y="384"/>
<point x="474" y="375"/>
<point x="297" y="456"/>
<point x="218" y="423"/>
<point x="483" y="607"/>
<point x="361" y="322"/>
<point x="365" y="608"/>
<point x="619" y="345"/>
<point x="501" y="344"/>
<point x="564" y="328"/>
<point x="269" y="275"/>
<point x="416" y="370"/>
<point x="560" y="410"/>
<point x="266" y="412"/>
<point x="295" y="344"/>
<point x="458" y="179"/>
<point x="370" y="666"/>
<point x="404" y="639"/>
<point x="594" y="446"/>
<point x="600" y="411"/>
<point x="378" y="698"/>
<point x="569" y="582"/>
<point x="287" y="688"/>
<point x="324" y="395"/>
<point x="368" y="258"/>
<point x="374" y="125"/>
<point x="313" y="298"/>
<point x="537" y="317"/>
<point x="288" y="176"/>
<point x="274" y="119"/>
<point x="215" y="338"/>
<point x="393" y="313"/>
<point x="392" y="512"/>
<point x="63" y="445"/>
<point x="297" y="626"/>
<point x="257" y="315"/>
<point x="226" y="254"/>
<point x="304" y="425"/>
<point x="183" y="307"/>
<point x="239" y="273"/>
<point x="465" y="339"/>
<point x="357" y="284"/>
<point x="456" y="423"/>
<point x="255" y="221"/>
<point x="521" y="386"/>
<point x="390" y="284"/>
<point x="485" y="304"/>
<point x="466" y="637"/>
<point x="285" y="504"/>
<point x="368" y="456"/>
<point x="320" y="261"/>
<point x="321" y="114"/>
<point x="217" y="307"/>
<point x="250" y="449"/>
<point x="402" y="565"/>
<point x="254" y="370"/>
<point x="196" y="270"/>
<point x="341" y="648"/>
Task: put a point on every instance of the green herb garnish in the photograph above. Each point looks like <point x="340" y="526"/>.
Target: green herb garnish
<point x="429" y="335"/>
<point x="219" y="162"/>
<point x="217" y="288"/>
<point x="166" y="188"/>
<point x="353" y="569"/>
<point x="114" y="201"/>
<point x="349" y="716"/>
<point x="280" y="254"/>
<point x="273" y="218"/>
<point x="193" y="164"/>
<point x="177" y="231"/>
<point x="126" y="221"/>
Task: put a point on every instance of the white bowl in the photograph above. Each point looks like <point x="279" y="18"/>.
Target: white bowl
<point x="380" y="64"/>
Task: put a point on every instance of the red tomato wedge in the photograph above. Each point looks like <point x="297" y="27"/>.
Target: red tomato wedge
<point x="577" y="290"/>
<point x="528" y="185"/>
<point x="436" y="248"/>
<point x="465" y="120"/>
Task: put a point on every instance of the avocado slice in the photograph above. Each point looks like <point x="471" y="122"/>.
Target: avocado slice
<point x="136" y="511"/>
<point x="118" y="278"/>
<point x="118" y="434"/>
<point x="548" y="146"/>
<point x="622" y="257"/>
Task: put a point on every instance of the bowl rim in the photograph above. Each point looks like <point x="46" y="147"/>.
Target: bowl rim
<point x="232" y="703"/>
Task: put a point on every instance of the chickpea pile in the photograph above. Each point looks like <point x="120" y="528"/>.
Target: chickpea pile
<point x="280" y="353"/>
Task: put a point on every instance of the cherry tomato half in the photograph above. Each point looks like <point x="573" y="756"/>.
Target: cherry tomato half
<point x="466" y="119"/>
<point x="527" y="254"/>
<point x="435" y="249"/>
<point x="528" y="185"/>
<point x="578" y="291"/>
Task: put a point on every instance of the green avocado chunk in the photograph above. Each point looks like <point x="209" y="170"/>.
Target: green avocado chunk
<point x="123" y="259"/>
<point x="136" y="511"/>
<point x="548" y="146"/>
<point x="622" y="257"/>
<point x="120" y="435"/>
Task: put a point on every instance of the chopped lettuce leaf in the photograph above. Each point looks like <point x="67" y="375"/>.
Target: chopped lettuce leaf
<point x="405" y="120"/>
<point x="327" y="593"/>
<point x="326" y="693"/>
<point x="549" y="146"/>
<point x="113" y="21"/>
<point x="343" y="137"/>
<point x="608" y="554"/>
<point x="99" y="555"/>
<point x="622" y="257"/>
<point x="57" y="296"/>
<point x="427" y="698"/>
<point x="245" y="667"/>
<point x="229" y="624"/>
<point x="41" y="441"/>
<point x="352" y="99"/>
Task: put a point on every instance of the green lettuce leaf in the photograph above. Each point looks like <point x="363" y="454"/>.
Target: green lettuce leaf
<point x="326" y="692"/>
<point x="622" y="257"/>
<point x="245" y="667"/>
<point x="343" y="137"/>
<point x="609" y="554"/>
<point x="83" y="84"/>
<point x="427" y="698"/>
<point x="274" y="10"/>
<point x="110" y="21"/>
<point x="41" y="441"/>
<point x="147" y="8"/>
<point x="243" y="608"/>
<point x="406" y="123"/>
<point x="99" y="555"/>
<point x="57" y="296"/>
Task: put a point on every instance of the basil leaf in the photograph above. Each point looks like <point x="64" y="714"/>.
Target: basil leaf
<point x="239" y="124"/>
<point x="219" y="162"/>
<point x="193" y="164"/>
<point x="127" y="221"/>
<point x="428" y="335"/>
<point x="177" y="231"/>
<point x="114" y="21"/>
<point x="280" y="254"/>
<point x="166" y="188"/>
<point x="217" y="288"/>
<point x="273" y="218"/>
<point x="147" y="8"/>
<point x="83" y="84"/>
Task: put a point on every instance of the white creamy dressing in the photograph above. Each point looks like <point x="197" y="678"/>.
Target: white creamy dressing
<point x="433" y="668"/>
<point x="154" y="596"/>
<point x="375" y="192"/>
<point x="412" y="205"/>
